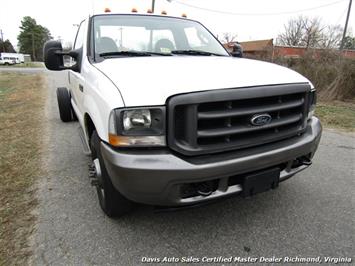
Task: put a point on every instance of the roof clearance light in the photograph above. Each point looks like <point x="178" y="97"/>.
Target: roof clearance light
<point x="184" y="15"/>
<point x="149" y="11"/>
<point x="134" y="10"/>
<point x="164" y="12"/>
<point x="107" y="10"/>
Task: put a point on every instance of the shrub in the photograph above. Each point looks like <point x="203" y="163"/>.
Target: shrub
<point x="332" y="75"/>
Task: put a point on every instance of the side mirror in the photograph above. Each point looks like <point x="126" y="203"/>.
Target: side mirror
<point x="237" y="51"/>
<point x="53" y="56"/>
<point x="237" y="54"/>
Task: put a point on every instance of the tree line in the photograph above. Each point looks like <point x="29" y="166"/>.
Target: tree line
<point x="312" y="33"/>
<point x="306" y="32"/>
<point x="31" y="39"/>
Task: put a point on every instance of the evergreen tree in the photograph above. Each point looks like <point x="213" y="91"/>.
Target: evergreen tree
<point x="349" y="43"/>
<point x="32" y="38"/>
<point x="6" y="47"/>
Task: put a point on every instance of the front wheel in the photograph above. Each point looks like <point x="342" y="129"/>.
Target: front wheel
<point x="64" y="104"/>
<point x="112" y="202"/>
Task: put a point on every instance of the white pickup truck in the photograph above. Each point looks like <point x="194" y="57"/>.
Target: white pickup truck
<point x="172" y="120"/>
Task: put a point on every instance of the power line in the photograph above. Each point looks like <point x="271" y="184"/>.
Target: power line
<point x="256" y="14"/>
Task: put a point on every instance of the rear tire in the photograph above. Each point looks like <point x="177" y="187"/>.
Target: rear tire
<point x="64" y="104"/>
<point x="112" y="202"/>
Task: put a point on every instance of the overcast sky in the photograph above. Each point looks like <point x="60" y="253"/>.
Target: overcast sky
<point x="255" y="19"/>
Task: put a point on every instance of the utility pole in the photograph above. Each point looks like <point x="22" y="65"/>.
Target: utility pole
<point x="121" y="41"/>
<point x="153" y="5"/>
<point x="346" y="26"/>
<point x="3" y="42"/>
<point x="33" y="47"/>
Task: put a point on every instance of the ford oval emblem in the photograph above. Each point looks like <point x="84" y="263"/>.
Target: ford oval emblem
<point x="260" y="119"/>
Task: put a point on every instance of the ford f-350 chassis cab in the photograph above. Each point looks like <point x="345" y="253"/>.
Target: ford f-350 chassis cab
<point x="172" y="120"/>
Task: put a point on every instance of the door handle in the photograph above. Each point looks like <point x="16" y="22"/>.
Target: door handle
<point x="81" y="88"/>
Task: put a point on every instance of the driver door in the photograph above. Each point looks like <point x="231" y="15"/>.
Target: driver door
<point x="75" y="79"/>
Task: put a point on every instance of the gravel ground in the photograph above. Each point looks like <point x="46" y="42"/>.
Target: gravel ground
<point x="310" y="215"/>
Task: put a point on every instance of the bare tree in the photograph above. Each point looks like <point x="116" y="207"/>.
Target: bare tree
<point x="293" y="33"/>
<point x="312" y="32"/>
<point x="302" y="31"/>
<point x="229" y="37"/>
<point x="331" y="37"/>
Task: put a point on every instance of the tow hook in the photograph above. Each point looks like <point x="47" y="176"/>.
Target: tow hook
<point x="95" y="173"/>
<point x="204" y="188"/>
<point x="305" y="160"/>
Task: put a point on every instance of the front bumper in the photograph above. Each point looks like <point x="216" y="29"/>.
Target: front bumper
<point x="156" y="178"/>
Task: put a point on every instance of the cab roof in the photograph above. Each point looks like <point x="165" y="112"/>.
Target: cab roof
<point x="139" y="14"/>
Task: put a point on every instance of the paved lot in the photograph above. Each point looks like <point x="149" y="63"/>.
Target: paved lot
<point x="311" y="214"/>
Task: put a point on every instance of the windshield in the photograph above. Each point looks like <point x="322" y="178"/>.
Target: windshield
<point x="139" y="35"/>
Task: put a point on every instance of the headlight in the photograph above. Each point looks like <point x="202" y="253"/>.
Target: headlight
<point x="312" y="103"/>
<point x="136" y="119"/>
<point x="137" y="127"/>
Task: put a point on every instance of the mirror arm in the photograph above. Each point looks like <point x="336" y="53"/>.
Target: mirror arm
<point x="74" y="54"/>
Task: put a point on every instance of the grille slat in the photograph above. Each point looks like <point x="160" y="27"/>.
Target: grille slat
<point x="217" y="121"/>
<point x="244" y="129"/>
<point x="255" y="139"/>
<point x="249" y="110"/>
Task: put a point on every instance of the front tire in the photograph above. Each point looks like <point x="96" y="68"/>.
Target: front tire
<point x="64" y="104"/>
<point x="112" y="202"/>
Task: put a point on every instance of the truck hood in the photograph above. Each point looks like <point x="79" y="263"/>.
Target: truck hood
<point x="145" y="81"/>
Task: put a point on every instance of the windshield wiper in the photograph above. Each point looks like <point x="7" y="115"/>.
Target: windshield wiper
<point x="132" y="53"/>
<point x="194" y="52"/>
<point x="157" y="53"/>
<point x="124" y="53"/>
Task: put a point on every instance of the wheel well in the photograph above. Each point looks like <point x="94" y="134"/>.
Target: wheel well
<point x="89" y="126"/>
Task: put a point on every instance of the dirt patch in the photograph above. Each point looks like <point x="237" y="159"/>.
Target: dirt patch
<point x="22" y="99"/>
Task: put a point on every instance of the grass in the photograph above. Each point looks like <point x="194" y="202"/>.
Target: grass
<point x="22" y="98"/>
<point x="27" y="64"/>
<point x="339" y="115"/>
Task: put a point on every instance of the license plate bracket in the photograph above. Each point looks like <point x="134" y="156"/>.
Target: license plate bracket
<point x="261" y="182"/>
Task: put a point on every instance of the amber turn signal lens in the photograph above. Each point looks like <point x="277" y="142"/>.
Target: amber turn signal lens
<point x="126" y="141"/>
<point x="107" y="10"/>
<point x="134" y="10"/>
<point x="114" y="140"/>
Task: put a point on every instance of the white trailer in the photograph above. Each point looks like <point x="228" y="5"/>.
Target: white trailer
<point x="17" y="58"/>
